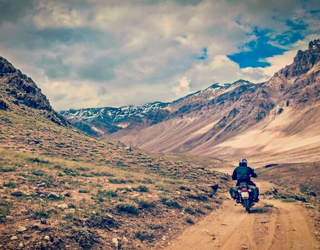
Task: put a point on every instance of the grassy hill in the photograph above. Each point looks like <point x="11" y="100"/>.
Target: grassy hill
<point x="61" y="189"/>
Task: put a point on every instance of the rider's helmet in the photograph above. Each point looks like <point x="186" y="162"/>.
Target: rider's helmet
<point x="243" y="162"/>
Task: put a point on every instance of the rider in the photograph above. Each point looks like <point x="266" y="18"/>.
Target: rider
<point x="242" y="173"/>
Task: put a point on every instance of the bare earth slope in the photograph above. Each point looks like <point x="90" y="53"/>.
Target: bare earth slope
<point x="278" y="118"/>
<point x="272" y="224"/>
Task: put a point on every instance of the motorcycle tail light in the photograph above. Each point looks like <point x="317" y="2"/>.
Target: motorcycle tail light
<point x="244" y="190"/>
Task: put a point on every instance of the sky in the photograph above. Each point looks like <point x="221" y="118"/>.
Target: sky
<point x="103" y="53"/>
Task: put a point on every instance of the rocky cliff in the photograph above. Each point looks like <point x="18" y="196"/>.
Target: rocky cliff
<point x="19" y="92"/>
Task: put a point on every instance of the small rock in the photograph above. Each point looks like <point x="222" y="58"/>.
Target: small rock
<point x="43" y="221"/>
<point x="124" y="239"/>
<point x="53" y="196"/>
<point x="17" y="193"/>
<point x="62" y="206"/>
<point x="70" y="210"/>
<point x="47" y="237"/>
<point x="224" y="224"/>
<point x="8" y="217"/>
<point x="14" y="238"/>
<point x="213" y="237"/>
<point x="164" y="238"/>
<point x="244" y="247"/>
<point x="21" y="229"/>
<point x="42" y="185"/>
<point x="21" y="245"/>
<point x="115" y="242"/>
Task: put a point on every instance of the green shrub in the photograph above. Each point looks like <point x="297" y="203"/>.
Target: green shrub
<point x="116" y="181"/>
<point x="104" y="193"/>
<point x="37" y="160"/>
<point x="37" y="172"/>
<point x="142" y="189"/>
<point x="189" y="211"/>
<point x="189" y="221"/>
<point x="146" y="205"/>
<point x="198" y="197"/>
<point x="171" y="203"/>
<point x="83" y="191"/>
<point x="127" y="208"/>
<point x="10" y="185"/>
<point x="71" y="205"/>
<point x="82" y="169"/>
<point x="143" y="235"/>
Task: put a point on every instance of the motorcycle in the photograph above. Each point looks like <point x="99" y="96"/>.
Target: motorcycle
<point x="245" y="196"/>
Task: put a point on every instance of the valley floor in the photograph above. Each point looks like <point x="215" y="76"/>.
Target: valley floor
<point x="272" y="224"/>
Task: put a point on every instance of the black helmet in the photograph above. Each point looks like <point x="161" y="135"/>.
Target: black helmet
<point x="243" y="162"/>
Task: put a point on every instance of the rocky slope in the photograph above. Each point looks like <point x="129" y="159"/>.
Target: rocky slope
<point x="279" y="117"/>
<point x="61" y="189"/>
<point x="19" y="93"/>
<point x="128" y="119"/>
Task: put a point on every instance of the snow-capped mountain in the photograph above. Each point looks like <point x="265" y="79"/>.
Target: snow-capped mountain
<point x="108" y="120"/>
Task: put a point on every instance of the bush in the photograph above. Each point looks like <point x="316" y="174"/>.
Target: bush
<point x="37" y="173"/>
<point x="104" y="193"/>
<point x="83" y="191"/>
<point x="128" y="209"/>
<point x="116" y="181"/>
<point x="171" y="203"/>
<point x="142" y="189"/>
<point x="143" y="235"/>
<point x="101" y="221"/>
<point x="198" y="197"/>
<point x="189" y="211"/>
<point x="146" y="205"/>
<point x="190" y="221"/>
<point x="10" y="185"/>
<point x="37" y="160"/>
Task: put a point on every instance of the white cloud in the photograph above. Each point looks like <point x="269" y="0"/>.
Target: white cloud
<point x="51" y="14"/>
<point x="183" y="87"/>
<point x="145" y="48"/>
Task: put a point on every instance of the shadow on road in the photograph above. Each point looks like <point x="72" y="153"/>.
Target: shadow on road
<point x="258" y="211"/>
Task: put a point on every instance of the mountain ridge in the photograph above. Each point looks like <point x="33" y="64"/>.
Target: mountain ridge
<point x="280" y="108"/>
<point x="19" y="93"/>
<point x="108" y="120"/>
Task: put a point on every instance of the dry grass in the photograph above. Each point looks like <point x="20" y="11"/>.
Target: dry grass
<point x="82" y="193"/>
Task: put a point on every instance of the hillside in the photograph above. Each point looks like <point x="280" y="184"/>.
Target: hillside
<point x="61" y="189"/>
<point x="277" y="120"/>
<point x="102" y="122"/>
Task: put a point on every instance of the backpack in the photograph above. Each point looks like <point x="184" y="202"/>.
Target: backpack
<point x="243" y="174"/>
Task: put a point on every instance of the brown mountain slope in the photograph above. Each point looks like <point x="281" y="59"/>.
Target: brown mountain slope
<point x="18" y="93"/>
<point x="277" y="117"/>
<point x="61" y="189"/>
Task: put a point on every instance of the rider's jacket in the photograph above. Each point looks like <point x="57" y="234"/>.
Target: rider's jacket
<point x="243" y="174"/>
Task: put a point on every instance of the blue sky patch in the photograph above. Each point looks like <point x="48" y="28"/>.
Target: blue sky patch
<point x="253" y="53"/>
<point x="204" y="54"/>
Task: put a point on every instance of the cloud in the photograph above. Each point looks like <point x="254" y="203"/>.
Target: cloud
<point x="54" y="67"/>
<point x="56" y="14"/>
<point x="14" y="10"/>
<point x="100" y="70"/>
<point x="183" y="88"/>
<point x="89" y="53"/>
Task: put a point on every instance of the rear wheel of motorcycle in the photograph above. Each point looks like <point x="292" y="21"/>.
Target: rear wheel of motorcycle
<point x="247" y="205"/>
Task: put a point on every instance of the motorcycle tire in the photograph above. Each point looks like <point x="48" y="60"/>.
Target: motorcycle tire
<point x="247" y="205"/>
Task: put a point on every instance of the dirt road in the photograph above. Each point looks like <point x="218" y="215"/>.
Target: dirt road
<point x="272" y="224"/>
